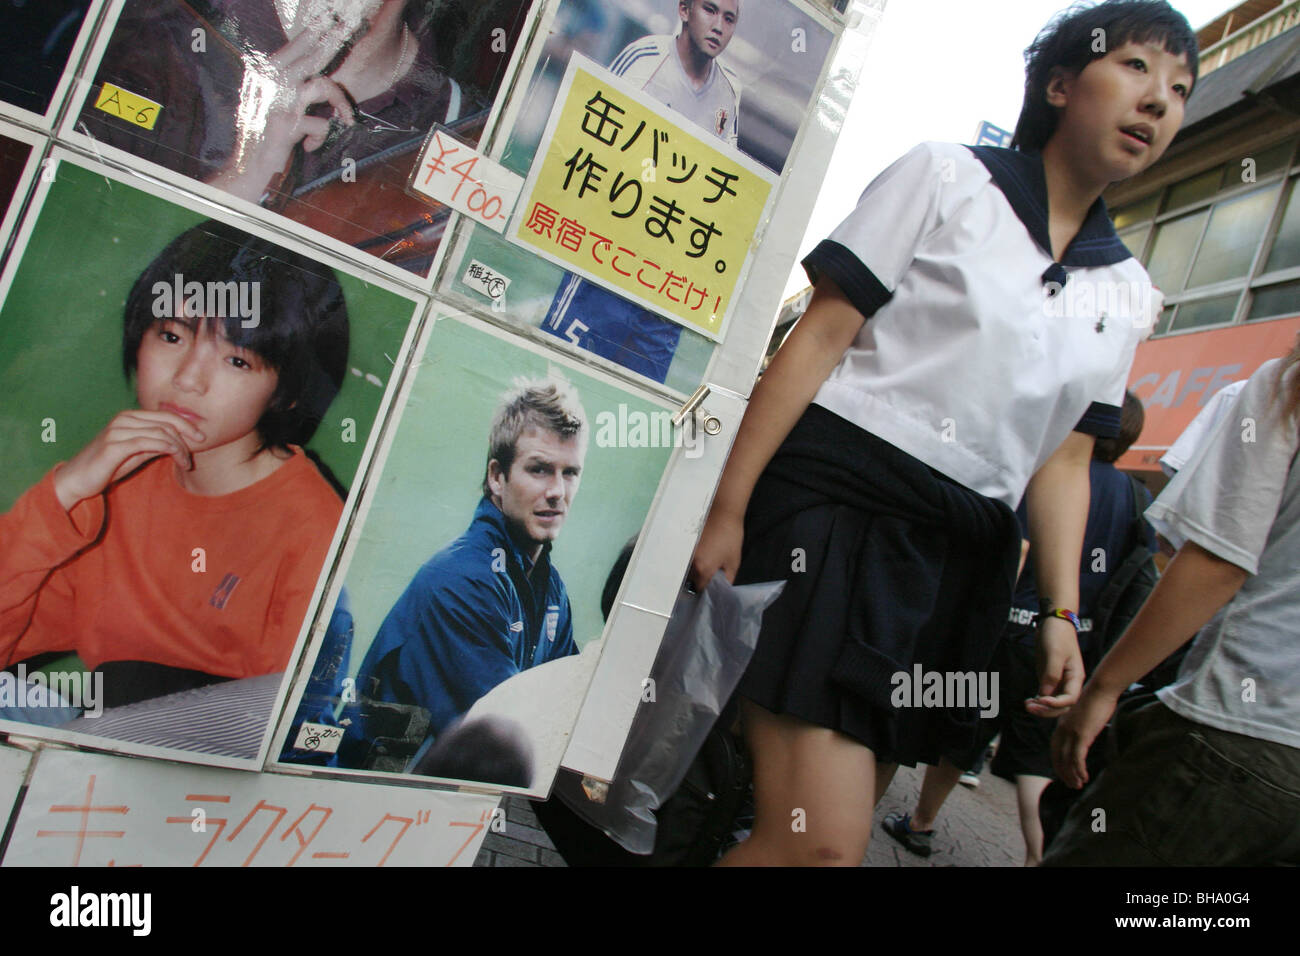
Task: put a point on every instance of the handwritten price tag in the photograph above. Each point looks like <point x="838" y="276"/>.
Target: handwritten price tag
<point x="126" y="105"/>
<point x="459" y="176"/>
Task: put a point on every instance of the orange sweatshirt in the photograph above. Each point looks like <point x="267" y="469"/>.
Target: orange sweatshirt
<point x="121" y="576"/>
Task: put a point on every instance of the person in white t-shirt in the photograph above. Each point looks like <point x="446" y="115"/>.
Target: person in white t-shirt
<point x="945" y="368"/>
<point x="1181" y="451"/>
<point x="1208" y="774"/>
<point x="684" y="72"/>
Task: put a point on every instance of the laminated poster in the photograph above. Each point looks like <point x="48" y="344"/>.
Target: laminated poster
<point x="315" y="110"/>
<point x="727" y="79"/>
<point x="187" y="406"/>
<point x="466" y="622"/>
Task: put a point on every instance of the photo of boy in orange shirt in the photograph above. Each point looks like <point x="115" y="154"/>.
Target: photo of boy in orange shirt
<point x="181" y="546"/>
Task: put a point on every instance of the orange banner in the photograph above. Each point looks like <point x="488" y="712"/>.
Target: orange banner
<point x="1176" y="376"/>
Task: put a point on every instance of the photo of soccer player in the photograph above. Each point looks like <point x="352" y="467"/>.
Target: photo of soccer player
<point x="315" y="109"/>
<point x="742" y="70"/>
<point x="190" y="416"/>
<point x="460" y="642"/>
<point x="686" y="71"/>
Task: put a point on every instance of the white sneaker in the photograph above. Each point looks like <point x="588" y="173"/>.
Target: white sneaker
<point x="969" y="779"/>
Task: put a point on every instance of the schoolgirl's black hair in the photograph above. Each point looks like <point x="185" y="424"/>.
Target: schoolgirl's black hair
<point x="1083" y="33"/>
<point x="301" y="329"/>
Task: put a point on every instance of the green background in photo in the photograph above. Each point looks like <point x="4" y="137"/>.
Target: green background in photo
<point x="61" y="329"/>
<point x="431" y="482"/>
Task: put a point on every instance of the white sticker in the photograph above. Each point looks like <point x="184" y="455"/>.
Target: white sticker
<point x="483" y="279"/>
<point x="456" y="174"/>
<point x="321" y="738"/>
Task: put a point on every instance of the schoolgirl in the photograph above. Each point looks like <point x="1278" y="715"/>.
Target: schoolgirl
<point x="928" y="387"/>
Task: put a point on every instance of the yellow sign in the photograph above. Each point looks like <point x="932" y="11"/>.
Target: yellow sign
<point x="128" y="106"/>
<point x="647" y="206"/>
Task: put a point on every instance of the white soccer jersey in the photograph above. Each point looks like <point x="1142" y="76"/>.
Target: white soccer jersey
<point x="652" y="64"/>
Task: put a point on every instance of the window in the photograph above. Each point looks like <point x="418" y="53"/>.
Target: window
<point x="1173" y="249"/>
<point x="1232" y="237"/>
<point x="1286" y="247"/>
<point x="1208" y="241"/>
<point x="1215" y="311"/>
<point x="1139" y="211"/>
<point x="1273" y="301"/>
<point x="1198" y="187"/>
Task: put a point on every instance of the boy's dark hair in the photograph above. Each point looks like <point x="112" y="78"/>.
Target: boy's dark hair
<point x="1131" y="419"/>
<point x="302" y="322"/>
<point x="1070" y="41"/>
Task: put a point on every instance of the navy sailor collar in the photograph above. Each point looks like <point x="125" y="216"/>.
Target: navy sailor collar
<point x="1020" y="177"/>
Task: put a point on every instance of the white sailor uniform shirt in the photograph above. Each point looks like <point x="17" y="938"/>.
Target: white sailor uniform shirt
<point x="981" y="352"/>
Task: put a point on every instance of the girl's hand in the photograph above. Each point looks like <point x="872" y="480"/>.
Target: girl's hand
<point x="127" y="442"/>
<point x="718" y="548"/>
<point x="276" y="95"/>
<point x="1076" y="732"/>
<point x="1060" y="668"/>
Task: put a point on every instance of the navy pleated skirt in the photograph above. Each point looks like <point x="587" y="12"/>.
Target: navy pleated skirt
<point x="888" y="564"/>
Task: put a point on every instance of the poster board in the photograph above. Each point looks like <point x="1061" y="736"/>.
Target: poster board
<point x="315" y="123"/>
<point x="221" y="583"/>
<point x="465" y="616"/>
<point x="778" y="57"/>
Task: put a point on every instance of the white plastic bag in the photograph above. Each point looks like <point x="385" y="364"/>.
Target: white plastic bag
<point x="706" y="648"/>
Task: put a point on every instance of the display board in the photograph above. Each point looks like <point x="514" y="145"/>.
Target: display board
<point x="427" y="552"/>
<point x="13" y="773"/>
<point x="217" y="586"/>
<point x="625" y="268"/>
<point x="466" y="617"/>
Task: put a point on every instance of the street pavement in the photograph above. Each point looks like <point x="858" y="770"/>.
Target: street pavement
<point x="978" y="827"/>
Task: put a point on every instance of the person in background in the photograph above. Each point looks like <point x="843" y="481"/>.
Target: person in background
<point x="1208" y="773"/>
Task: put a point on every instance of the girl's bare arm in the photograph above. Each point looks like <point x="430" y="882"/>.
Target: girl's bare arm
<point x="802" y="364"/>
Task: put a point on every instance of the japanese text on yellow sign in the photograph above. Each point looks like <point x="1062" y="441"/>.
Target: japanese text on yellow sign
<point x="637" y="203"/>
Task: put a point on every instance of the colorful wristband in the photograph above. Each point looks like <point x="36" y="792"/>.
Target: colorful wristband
<point x="1064" y="615"/>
